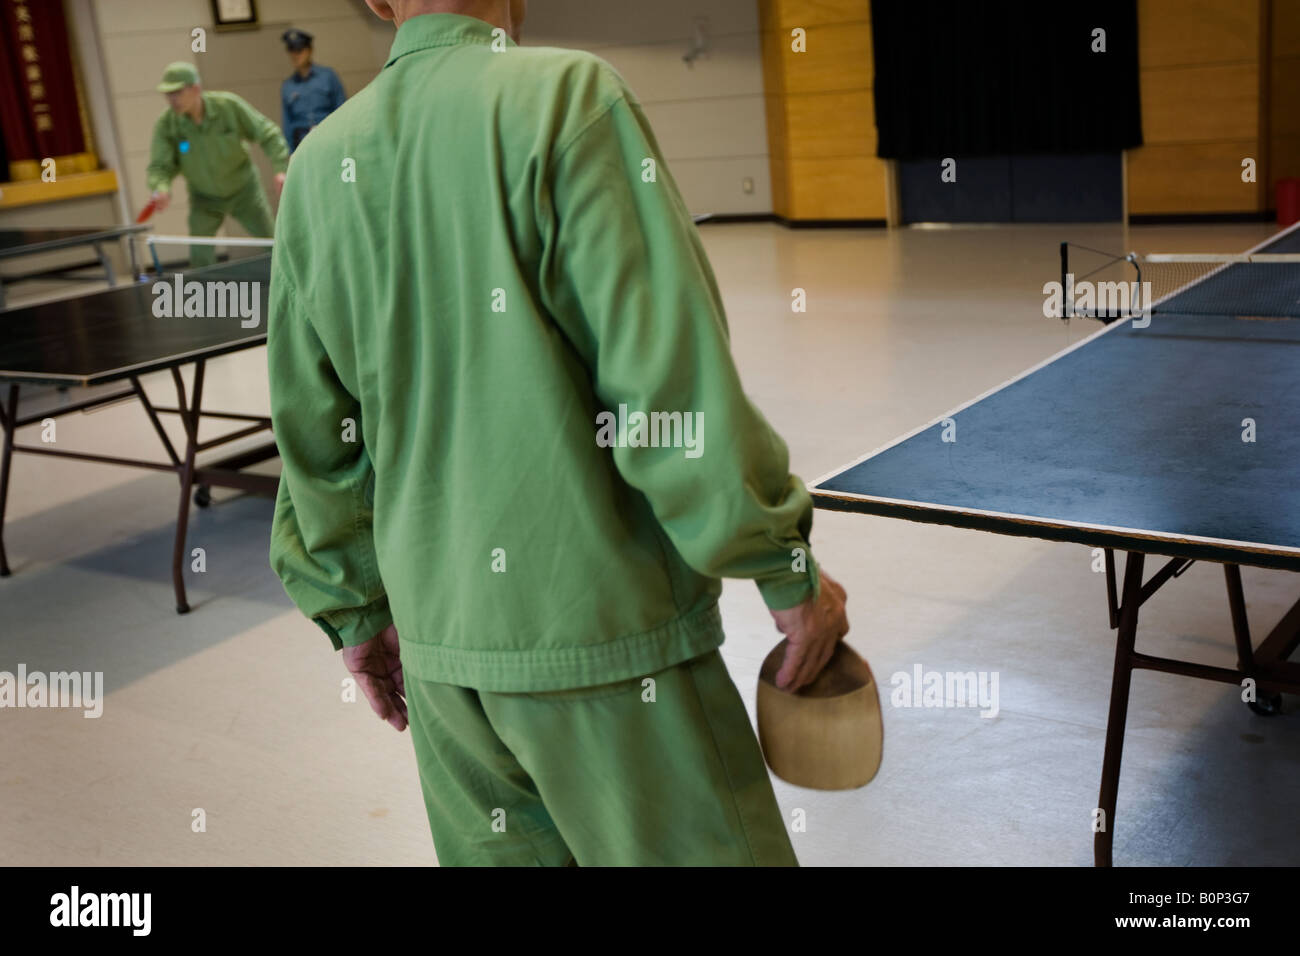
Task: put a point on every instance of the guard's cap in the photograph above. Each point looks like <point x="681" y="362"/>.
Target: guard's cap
<point x="177" y="76"/>
<point x="296" y="39"/>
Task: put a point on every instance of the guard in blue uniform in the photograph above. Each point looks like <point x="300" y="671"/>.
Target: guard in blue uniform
<point x="312" y="93"/>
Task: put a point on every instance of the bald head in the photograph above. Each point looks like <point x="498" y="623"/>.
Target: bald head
<point x="507" y="14"/>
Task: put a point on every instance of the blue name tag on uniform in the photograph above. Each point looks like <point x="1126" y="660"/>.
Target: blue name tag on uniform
<point x="184" y="147"/>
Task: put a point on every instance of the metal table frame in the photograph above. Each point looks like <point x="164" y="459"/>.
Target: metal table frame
<point x="89" y="238"/>
<point x="223" y="473"/>
<point x="1266" y="663"/>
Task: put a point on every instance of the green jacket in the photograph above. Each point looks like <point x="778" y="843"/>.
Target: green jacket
<point x="211" y="155"/>
<point x="475" y="266"/>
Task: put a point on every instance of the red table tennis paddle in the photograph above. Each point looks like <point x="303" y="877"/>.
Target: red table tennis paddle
<point x="147" y="211"/>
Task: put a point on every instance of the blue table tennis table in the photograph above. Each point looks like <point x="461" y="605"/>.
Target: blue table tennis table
<point x="1179" y="439"/>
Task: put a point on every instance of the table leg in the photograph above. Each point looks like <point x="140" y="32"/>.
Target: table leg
<point x="1119" y="691"/>
<point x="130" y="252"/>
<point x="189" y="414"/>
<point x="107" y="263"/>
<point x="9" y="422"/>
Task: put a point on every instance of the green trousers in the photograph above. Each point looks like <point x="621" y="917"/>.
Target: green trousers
<point x="600" y="776"/>
<point x="248" y="207"/>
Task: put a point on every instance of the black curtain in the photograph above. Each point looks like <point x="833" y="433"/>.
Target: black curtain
<point x="982" y="77"/>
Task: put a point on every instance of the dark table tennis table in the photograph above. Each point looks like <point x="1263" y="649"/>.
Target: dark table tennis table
<point x="19" y="243"/>
<point x="1132" y="440"/>
<point x="114" y="338"/>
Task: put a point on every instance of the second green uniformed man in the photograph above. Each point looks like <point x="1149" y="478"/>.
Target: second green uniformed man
<point x="201" y="136"/>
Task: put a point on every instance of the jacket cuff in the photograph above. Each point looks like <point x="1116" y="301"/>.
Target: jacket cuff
<point x="353" y="627"/>
<point x="791" y="588"/>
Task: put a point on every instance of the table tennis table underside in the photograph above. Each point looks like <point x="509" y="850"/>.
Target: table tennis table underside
<point x="1020" y="437"/>
<point x="225" y="472"/>
<point x="1266" y="664"/>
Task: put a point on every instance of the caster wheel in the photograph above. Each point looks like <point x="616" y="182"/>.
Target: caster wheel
<point x="1267" y="706"/>
<point x="203" y="496"/>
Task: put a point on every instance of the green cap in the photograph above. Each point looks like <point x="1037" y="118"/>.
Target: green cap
<point x="178" y="76"/>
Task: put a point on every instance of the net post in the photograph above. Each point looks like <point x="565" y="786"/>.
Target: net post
<point x="1137" y="286"/>
<point x="1065" y="267"/>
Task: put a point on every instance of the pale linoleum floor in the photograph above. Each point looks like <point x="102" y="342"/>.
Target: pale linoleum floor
<point x="236" y="708"/>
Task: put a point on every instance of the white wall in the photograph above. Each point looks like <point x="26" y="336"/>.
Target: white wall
<point x="709" y="118"/>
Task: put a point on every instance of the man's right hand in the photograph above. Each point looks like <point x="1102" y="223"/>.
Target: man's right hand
<point x="377" y="667"/>
<point x="161" y="201"/>
<point x="812" y="629"/>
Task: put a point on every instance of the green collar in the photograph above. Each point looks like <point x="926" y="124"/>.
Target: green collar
<point x="440" y="29"/>
<point x="184" y="118"/>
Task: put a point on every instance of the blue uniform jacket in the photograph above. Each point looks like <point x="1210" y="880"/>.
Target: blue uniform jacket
<point x="305" y="101"/>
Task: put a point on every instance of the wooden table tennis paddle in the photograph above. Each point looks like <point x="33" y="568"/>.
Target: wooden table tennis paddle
<point x="828" y="735"/>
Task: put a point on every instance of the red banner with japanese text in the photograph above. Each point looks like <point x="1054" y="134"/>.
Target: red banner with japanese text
<point x="39" y="115"/>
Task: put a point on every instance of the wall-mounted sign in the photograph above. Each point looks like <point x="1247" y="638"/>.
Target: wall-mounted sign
<point x="234" y="14"/>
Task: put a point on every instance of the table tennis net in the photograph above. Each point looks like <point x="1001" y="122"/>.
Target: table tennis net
<point x="1111" y="286"/>
<point x="245" y="257"/>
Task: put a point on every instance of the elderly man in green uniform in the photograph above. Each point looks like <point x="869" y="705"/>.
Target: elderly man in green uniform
<point x="518" y="458"/>
<point x="201" y="135"/>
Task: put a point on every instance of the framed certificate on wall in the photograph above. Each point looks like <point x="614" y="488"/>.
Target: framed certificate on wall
<point x="234" y="14"/>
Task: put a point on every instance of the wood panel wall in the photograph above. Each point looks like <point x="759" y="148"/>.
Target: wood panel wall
<point x="821" y="123"/>
<point x="1203" y="66"/>
<point x="1284" y="90"/>
<point x="1220" y="82"/>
